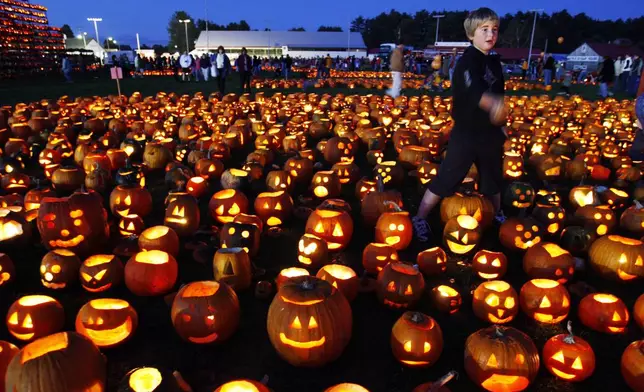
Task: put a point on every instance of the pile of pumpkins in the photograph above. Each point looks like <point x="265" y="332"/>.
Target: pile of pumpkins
<point x="80" y="151"/>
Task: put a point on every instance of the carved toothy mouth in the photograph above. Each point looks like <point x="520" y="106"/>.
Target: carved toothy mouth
<point x="563" y="375"/>
<point x="110" y="337"/>
<point x="525" y="245"/>
<point x="296" y="344"/>
<point x="67" y="243"/>
<point x="395" y="304"/>
<point x="54" y="286"/>
<point x="204" y="340"/>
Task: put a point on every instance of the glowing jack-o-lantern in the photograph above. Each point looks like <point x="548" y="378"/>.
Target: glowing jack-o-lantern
<point x="309" y="322"/>
<point x="462" y="234"/>
<point x="365" y="186"/>
<point x="312" y="251"/>
<point x="603" y="313"/>
<point x="148" y="379"/>
<point x="197" y="186"/>
<point x="326" y="184"/>
<point x="501" y="359"/>
<point x="347" y="172"/>
<point x="512" y="165"/>
<point x="426" y="172"/>
<point x="35" y="316"/>
<point x="339" y="149"/>
<point x="240" y="235"/>
<point x="159" y="238"/>
<point x="242" y="386"/>
<point x="551" y="217"/>
<point x="289" y="273"/>
<point x="416" y="340"/>
<point x="390" y="173"/>
<point x="225" y="205"/>
<point x="332" y="224"/>
<point x="618" y="258"/>
<point x="546" y="301"/>
<point x="495" y="301"/>
<point x="472" y="204"/>
<point x="15" y="183"/>
<point x="300" y="169"/>
<point x="59" y="268"/>
<point x="632" y="363"/>
<point x="182" y="214"/>
<point x="342" y="278"/>
<point x="394" y="228"/>
<point x="7" y="270"/>
<point x="446" y="299"/>
<point x="205" y="312"/>
<point x="489" y="264"/>
<point x="519" y="234"/>
<point x="66" y="360"/>
<point x="400" y="285"/>
<point x="232" y="266"/>
<point x="99" y="273"/>
<point x="130" y="199"/>
<point x="131" y="225"/>
<point x="583" y="195"/>
<point x="519" y="195"/>
<point x="151" y="273"/>
<point x="107" y="322"/>
<point x="274" y="208"/>
<point x="347" y="387"/>
<point x="601" y="218"/>
<point x="376" y="255"/>
<point x="569" y="357"/>
<point x="432" y="261"/>
<point x="549" y="261"/>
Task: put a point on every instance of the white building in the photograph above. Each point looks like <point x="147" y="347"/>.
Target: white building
<point x="78" y="43"/>
<point x="280" y="43"/>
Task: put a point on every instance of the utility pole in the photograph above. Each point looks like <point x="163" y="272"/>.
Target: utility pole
<point x="534" y="26"/>
<point x="207" y="35"/>
<point x="96" y="20"/>
<point x="185" y="22"/>
<point x="438" y="21"/>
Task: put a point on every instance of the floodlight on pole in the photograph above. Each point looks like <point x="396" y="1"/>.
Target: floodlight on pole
<point x="185" y="22"/>
<point x="438" y="21"/>
<point x="109" y="39"/>
<point x="534" y="25"/>
<point x="96" y="20"/>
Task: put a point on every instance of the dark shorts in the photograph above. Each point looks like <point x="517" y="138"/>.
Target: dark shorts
<point x="461" y="154"/>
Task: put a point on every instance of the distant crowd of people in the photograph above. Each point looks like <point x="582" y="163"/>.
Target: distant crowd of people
<point x="620" y="75"/>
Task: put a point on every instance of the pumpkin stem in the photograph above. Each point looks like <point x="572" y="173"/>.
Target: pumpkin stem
<point x="417" y="318"/>
<point x="638" y="205"/>
<point x="308" y="284"/>
<point x="497" y="331"/>
<point x="183" y="385"/>
<point x="570" y="339"/>
<point x="442" y="381"/>
<point x="393" y="206"/>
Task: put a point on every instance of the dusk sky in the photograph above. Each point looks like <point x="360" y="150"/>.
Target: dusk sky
<point x="122" y="19"/>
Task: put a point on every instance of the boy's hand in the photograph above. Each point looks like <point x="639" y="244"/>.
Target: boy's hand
<point x="498" y="113"/>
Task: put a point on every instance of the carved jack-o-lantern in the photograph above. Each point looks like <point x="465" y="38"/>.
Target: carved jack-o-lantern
<point x="309" y="322"/>
<point x="365" y="186"/>
<point x="462" y="234"/>
<point x="131" y="225"/>
<point x="100" y="272"/>
<point x="400" y="285"/>
<point x="426" y="172"/>
<point x="7" y="270"/>
<point x="545" y="300"/>
<point x="225" y="205"/>
<point x="501" y="358"/>
<point x="159" y="238"/>
<point x="197" y="186"/>
<point x="416" y="340"/>
<point x="551" y="217"/>
<point x="240" y="235"/>
<point x="107" y="322"/>
<point x="601" y="219"/>
<point x="15" y="231"/>
<point x="394" y="228"/>
<point x="342" y="278"/>
<point x="130" y="199"/>
<point x="495" y="301"/>
<point x="569" y="357"/>
<point x="616" y="257"/>
<point x="274" y="208"/>
<point x="35" y="316"/>
<point x="519" y="234"/>
<point x="326" y="184"/>
<point x="549" y="261"/>
<point x="603" y="313"/>
<point x="332" y="224"/>
<point x="289" y="273"/>
<point x="15" y="183"/>
<point x="472" y="204"/>
<point x="300" y="169"/>
<point x="205" y="312"/>
<point x="312" y="251"/>
<point x="519" y="195"/>
<point x="151" y="273"/>
<point x="390" y="173"/>
<point x="446" y="299"/>
<point x="432" y="261"/>
<point x="583" y="195"/>
<point x="232" y="266"/>
<point x="182" y="214"/>
<point x="347" y="172"/>
<point x="59" y="268"/>
<point x="512" y="165"/>
<point x="279" y="180"/>
<point x="489" y="264"/>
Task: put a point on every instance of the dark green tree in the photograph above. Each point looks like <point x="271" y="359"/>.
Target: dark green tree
<point x="330" y="28"/>
<point x="67" y="31"/>
<point x="177" y="33"/>
<point x="296" y="29"/>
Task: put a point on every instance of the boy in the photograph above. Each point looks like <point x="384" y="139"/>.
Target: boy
<point x="478" y="114"/>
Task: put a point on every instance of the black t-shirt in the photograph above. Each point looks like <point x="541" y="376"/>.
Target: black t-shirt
<point x="475" y="74"/>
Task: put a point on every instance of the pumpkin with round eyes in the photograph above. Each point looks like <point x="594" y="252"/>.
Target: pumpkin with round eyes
<point x="339" y="149"/>
<point x="300" y="169"/>
<point x="309" y="322"/>
<point x="205" y="312"/>
<point x="400" y="285"/>
<point x="279" y="180"/>
<point x="446" y="299"/>
<point x="274" y="208"/>
<point x="489" y="264"/>
<point x="149" y="379"/>
<point x="326" y="184"/>
<point x="462" y="234"/>
<point x="99" y="273"/>
<point x="631" y="365"/>
<point x="618" y="258"/>
<point x="495" y="301"/>
<point x="416" y="340"/>
<point x="226" y="204"/>
<point x="469" y="203"/>
<point x="551" y="217"/>
<point x="375" y="157"/>
<point x="519" y="195"/>
<point x="59" y="268"/>
<point x="603" y="313"/>
<point x="161" y="238"/>
<point x="545" y="300"/>
<point x="107" y="322"/>
<point x="182" y="214"/>
<point x="394" y="228"/>
<point x="131" y="225"/>
<point x="68" y="361"/>
<point x="512" y="165"/>
<point x="332" y="224"/>
<point x="232" y="266"/>
<point x="242" y="386"/>
<point x="614" y="198"/>
<point x="15" y="231"/>
<point x="240" y="235"/>
<point x="312" y="251"/>
<point x="501" y="359"/>
<point x="197" y="186"/>
<point x="15" y="183"/>
<point x="583" y="195"/>
<point x="151" y="273"/>
<point x="432" y="261"/>
<point x="7" y="270"/>
<point x="342" y="278"/>
<point x="519" y="234"/>
<point x="569" y="357"/>
<point x="390" y="173"/>
<point x="549" y="261"/>
<point x="35" y="316"/>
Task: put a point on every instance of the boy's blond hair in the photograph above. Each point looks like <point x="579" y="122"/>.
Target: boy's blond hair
<point x="476" y="18"/>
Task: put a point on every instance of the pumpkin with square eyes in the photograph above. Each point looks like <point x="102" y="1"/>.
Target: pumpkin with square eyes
<point x="131" y="225"/>
<point x="390" y="173"/>
<point x="65" y="361"/>
<point x="569" y="357"/>
<point x="416" y="340"/>
<point x="544" y="300"/>
<point x="274" y="208"/>
<point x="309" y="322"/>
<point x="35" y="316"/>
<point x="232" y="266"/>
<point x="326" y="184"/>
<point x="205" y="312"/>
<point x="59" y="268"/>
<point x="519" y="234"/>
<point x="240" y="235"/>
<point x="489" y="264"/>
<point x="400" y="285"/>
<point x="130" y="199"/>
<point x="226" y="204"/>
<point x="462" y="234"/>
<point x="512" y="165"/>
<point x="300" y="169"/>
<point x="495" y="301"/>
<point x="107" y="322"/>
<point x="617" y="258"/>
<point x="99" y="273"/>
<point x="519" y="195"/>
<point x="347" y="172"/>
<point x="339" y="149"/>
<point x="342" y="278"/>
<point x="432" y="262"/>
<point x="15" y="183"/>
<point x="151" y="273"/>
<point x="603" y="313"/>
<point x="312" y="251"/>
<point x="332" y="224"/>
<point x="601" y="218"/>
<point x="394" y="228"/>
<point x="468" y="203"/>
<point x="182" y="214"/>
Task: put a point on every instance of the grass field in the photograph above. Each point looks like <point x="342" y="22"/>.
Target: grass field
<point x="12" y="92"/>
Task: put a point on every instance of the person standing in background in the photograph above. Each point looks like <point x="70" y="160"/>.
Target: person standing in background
<point x="617" y="72"/>
<point x="548" y="70"/>
<point x="222" y="63"/>
<point x="244" y="67"/>
<point x="67" y="69"/>
<point x="606" y="76"/>
<point x="636" y="72"/>
<point x="627" y="67"/>
<point x="204" y="63"/>
<point x="328" y="63"/>
<point x="287" y="64"/>
<point x="397" y="67"/>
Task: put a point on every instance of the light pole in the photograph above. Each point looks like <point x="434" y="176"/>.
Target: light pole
<point x="207" y="35"/>
<point x="84" y="40"/>
<point x="438" y="21"/>
<point x="185" y="22"/>
<point x="96" y="20"/>
<point x="534" y="25"/>
<point x="109" y="39"/>
<point x="117" y="45"/>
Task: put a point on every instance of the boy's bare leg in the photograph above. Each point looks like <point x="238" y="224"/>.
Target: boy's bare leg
<point x="427" y="204"/>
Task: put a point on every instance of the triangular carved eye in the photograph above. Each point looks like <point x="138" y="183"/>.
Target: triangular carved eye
<point x="391" y="287"/>
<point x="577" y="364"/>
<point x="229" y="270"/>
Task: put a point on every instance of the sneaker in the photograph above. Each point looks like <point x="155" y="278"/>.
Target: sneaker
<point x="422" y="231"/>
<point x="500" y="217"/>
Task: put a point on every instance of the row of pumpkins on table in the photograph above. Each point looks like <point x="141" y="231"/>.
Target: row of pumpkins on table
<point x="77" y="225"/>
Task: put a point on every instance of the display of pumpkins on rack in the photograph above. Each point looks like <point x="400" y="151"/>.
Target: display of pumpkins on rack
<point x="122" y="190"/>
